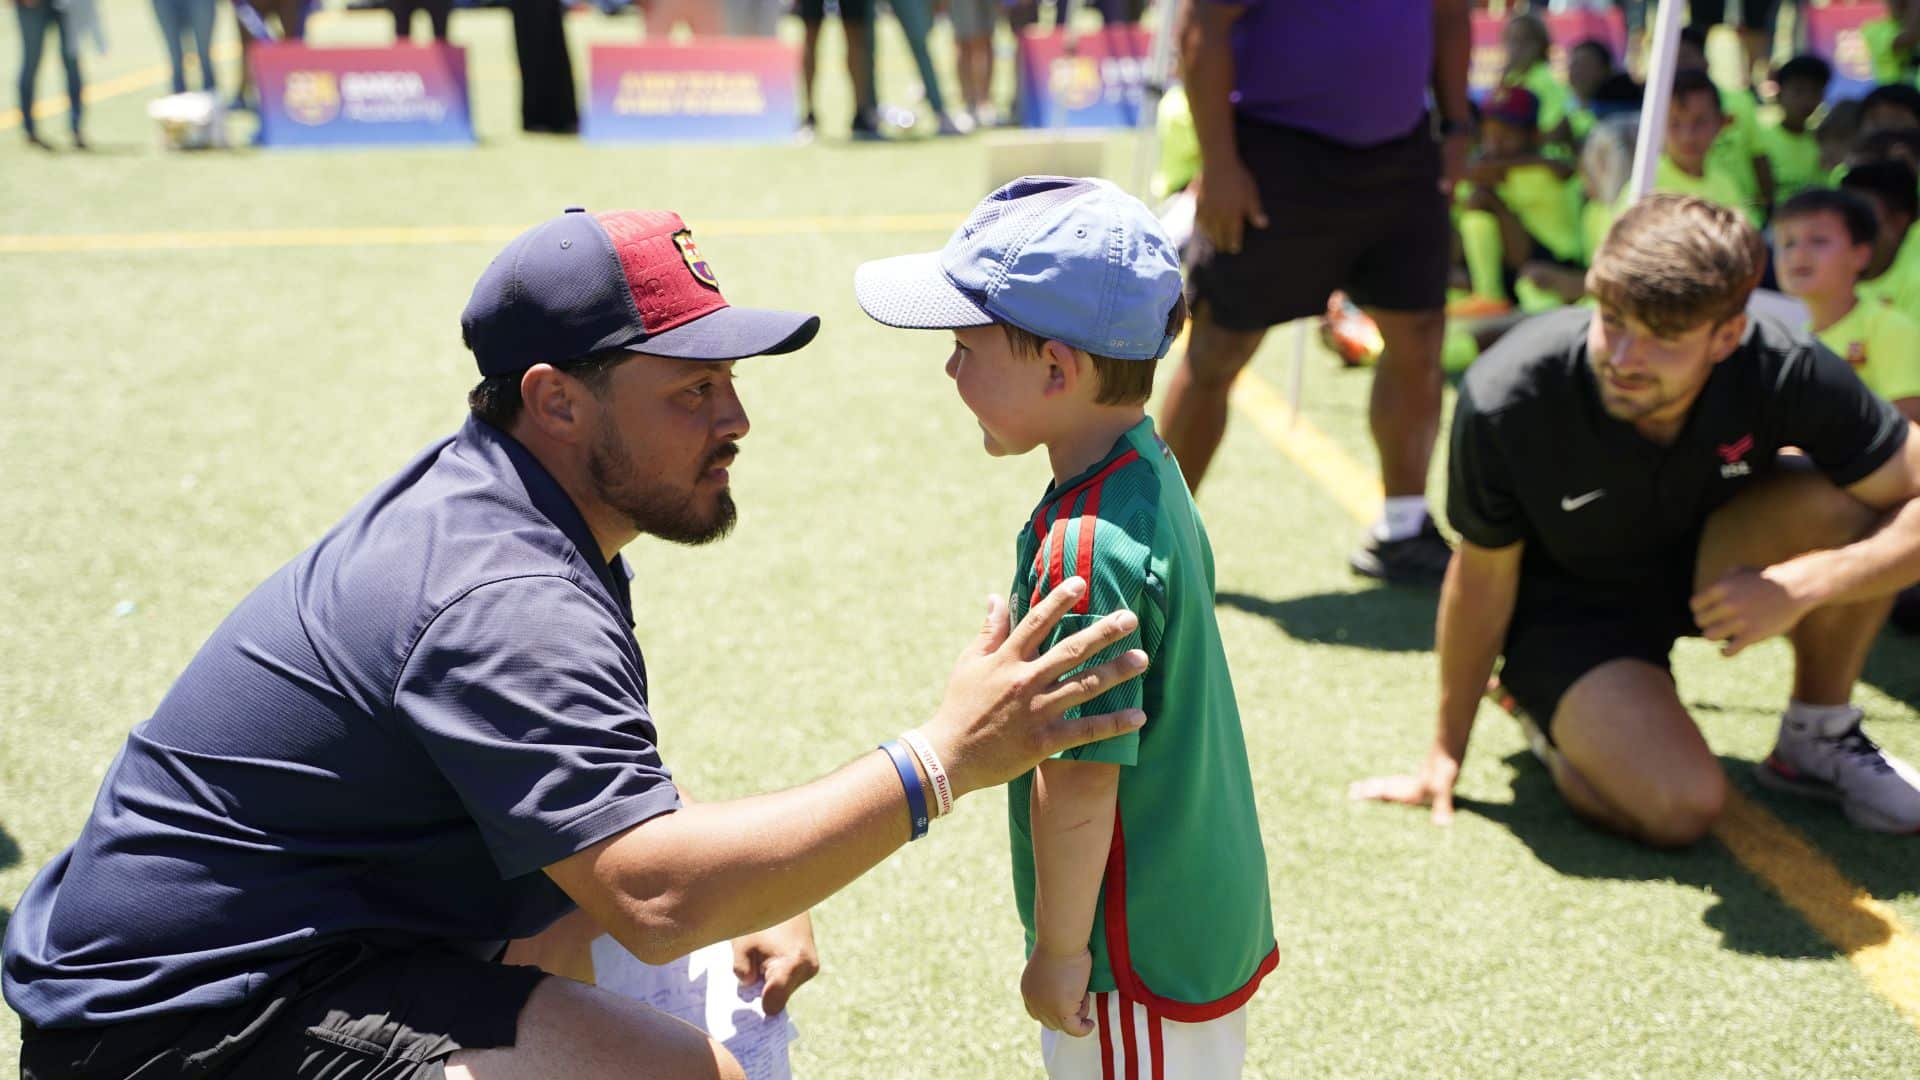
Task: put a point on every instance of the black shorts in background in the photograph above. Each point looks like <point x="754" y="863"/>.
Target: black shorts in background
<point x="853" y="11"/>
<point x="355" y="1012"/>
<point x="1560" y="634"/>
<point x="1370" y="221"/>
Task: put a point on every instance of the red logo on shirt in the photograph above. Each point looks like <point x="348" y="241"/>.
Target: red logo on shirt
<point x="1730" y="455"/>
<point x="1857" y="353"/>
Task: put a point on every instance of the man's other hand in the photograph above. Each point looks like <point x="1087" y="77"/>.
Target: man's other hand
<point x="1225" y="201"/>
<point x="1432" y="784"/>
<point x="781" y="956"/>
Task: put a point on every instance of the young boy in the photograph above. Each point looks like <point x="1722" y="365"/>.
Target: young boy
<point x="1521" y="205"/>
<point x="1822" y="242"/>
<point x="1525" y="40"/>
<point x="1589" y="66"/>
<point x="1792" y="149"/>
<point x="1138" y="866"/>
<point x="1893" y="275"/>
<point x="1735" y="151"/>
<point x="1687" y="166"/>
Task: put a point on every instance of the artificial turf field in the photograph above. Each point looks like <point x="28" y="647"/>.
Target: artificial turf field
<point x="184" y="413"/>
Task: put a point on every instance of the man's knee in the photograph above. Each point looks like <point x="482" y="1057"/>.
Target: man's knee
<point x="1683" y="813"/>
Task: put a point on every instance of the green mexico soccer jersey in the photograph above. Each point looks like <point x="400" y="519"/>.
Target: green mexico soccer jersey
<point x="1185" y="924"/>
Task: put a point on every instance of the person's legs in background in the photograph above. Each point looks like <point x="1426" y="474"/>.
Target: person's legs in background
<point x="70" y="57"/>
<point x="916" y="21"/>
<point x="1194" y="416"/>
<point x="200" y="23"/>
<point x="856" y="22"/>
<point x="171" y="15"/>
<point x="402" y="19"/>
<point x="35" y="16"/>
<point x="440" y="15"/>
<point x="974" y="22"/>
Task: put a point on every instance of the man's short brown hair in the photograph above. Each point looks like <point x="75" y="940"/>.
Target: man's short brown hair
<point x="1675" y="262"/>
<point x="1122" y="382"/>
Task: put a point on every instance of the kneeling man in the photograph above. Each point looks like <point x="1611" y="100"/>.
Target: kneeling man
<point x="1660" y="467"/>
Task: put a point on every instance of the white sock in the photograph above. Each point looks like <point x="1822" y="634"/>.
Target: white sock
<point x="1401" y="517"/>
<point x="1818" y="721"/>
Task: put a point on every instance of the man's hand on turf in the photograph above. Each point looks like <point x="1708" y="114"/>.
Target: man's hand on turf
<point x="1225" y="201"/>
<point x="1002" y="713"/>
<point x="1054" y="986"/>
<point x="1747" y="606"/>
<point x="781" y="956"/>
<point x="1432" y="784"/>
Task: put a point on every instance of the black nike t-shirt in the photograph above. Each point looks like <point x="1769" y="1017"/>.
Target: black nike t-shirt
<point x="1609" y="515"/>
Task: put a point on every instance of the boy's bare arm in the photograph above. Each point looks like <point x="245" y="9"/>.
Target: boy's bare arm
<point x="1073" y="807"/>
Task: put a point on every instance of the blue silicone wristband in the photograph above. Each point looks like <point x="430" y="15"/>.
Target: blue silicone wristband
<point x="909" y="779"/>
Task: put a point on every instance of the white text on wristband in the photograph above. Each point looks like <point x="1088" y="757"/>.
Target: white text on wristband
<point x="936" y="772"/>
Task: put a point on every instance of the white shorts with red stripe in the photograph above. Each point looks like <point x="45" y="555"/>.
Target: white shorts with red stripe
<point x="1128" y="1043"/>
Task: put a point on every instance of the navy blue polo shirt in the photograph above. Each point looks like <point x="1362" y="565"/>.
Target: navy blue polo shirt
<point x="385" y="742"/>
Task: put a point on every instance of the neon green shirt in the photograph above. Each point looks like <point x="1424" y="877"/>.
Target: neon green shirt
<point x="1900" y="284"/>
<point x="1552" y="94"/>
<point x="1882" y="344"/>
<point x="1795" y="158"/>
<point x="1185" y="923"/>
<point x="1713" y="186"/>
<point x="1736" y="146"/>
<point x="1546" y="205"/>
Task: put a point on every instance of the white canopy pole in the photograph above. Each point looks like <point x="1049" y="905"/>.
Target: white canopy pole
<point x="1659" y="93"/>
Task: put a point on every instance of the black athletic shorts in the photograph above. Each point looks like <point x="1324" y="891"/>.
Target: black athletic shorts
<point x="1558" y="634"/>
<point x="353" y="1013"/>
<point x="1370" y="221"/>
<point x="853" y="11"/>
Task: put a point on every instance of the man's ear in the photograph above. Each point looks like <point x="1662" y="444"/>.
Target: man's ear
<point x="551" y="402"/>
<point x="1726" y="337"/>
<point x="1066" y="366"/>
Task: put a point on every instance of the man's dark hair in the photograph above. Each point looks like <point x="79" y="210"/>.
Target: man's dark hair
<point x="1862" y="226"/>
<point x="497" y="397"/>
<point x="1896" y="95"/>
<point x="1597" y="46"/>
<point x="1805" y="68"/>
<point x="1892" y="182"/>
<point x="1694" y="81"/>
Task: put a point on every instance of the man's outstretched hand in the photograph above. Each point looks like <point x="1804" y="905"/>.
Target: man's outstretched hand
<point x="1433" y="784"/>
<point x="1003" y="711"/>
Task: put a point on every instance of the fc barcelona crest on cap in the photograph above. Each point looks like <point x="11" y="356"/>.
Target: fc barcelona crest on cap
<point x="695" y="261"/>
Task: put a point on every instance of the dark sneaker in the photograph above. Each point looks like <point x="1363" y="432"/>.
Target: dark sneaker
<point x="865" y="127"/>
<point x="1420" y="559"/>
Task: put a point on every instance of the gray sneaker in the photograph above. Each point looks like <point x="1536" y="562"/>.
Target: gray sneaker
<point x="1876" y="790"/>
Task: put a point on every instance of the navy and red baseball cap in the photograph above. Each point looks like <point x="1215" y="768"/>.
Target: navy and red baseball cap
<point x="582" y="283"/>
<point x="1515" y="106"/>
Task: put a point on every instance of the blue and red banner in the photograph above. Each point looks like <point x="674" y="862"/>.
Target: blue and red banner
<point x="398" y="96"/>
<point x="1564" y="31"/>
<point x="716" y="89"/>
<point x="1839" y="34"/>
<point x="1093" y="80"/>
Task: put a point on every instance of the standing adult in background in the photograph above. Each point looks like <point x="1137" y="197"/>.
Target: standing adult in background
<point x="250" y="18"/>
<point x="916" y="22"/>
<point x="856" y="23"/>
<point x="547" y="103"/>
<point x="439" y="13"/>
<point x="178" y="17"/>
<point x="36" y="16"/>
<point x="1320" y="170"/>
<point x="754" y="18"/>
<point x="974" y="23"/>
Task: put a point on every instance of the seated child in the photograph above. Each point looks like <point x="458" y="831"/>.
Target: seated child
<point x="1787" y="140"/>
<point x="1893" y="275"/>
<point x="1735" y="152"/>
<point x="1890" y="107"/>
<point x="1520" y="203"/>
<point x="1526" y="43"/>
<point x="1694" y="122"/>
<point x="1589" y="66"/>
<point x="1822" y="241"/>
<point x="1138" y="865"/>
<point x="1836" y="134"/>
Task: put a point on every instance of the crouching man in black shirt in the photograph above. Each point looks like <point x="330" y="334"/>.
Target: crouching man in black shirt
<point x="1662" y="467"/>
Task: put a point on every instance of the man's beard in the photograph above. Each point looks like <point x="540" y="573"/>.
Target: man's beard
<point x="655" y="509"/>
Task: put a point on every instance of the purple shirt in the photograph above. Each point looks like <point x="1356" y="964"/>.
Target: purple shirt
<point x="1354" y="71"/>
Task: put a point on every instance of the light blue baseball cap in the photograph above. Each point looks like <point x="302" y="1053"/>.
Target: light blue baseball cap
<point x="1073" y="260"/>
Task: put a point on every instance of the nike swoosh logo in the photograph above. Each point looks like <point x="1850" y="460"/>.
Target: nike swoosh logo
<point x="1571" y="505"/>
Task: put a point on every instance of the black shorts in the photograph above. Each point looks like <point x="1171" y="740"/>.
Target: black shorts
<point x="853" y="11"/>
<point x="353" y="1013"/>
<point x="1370" y="221"/>
<point x="1559" y="634"/>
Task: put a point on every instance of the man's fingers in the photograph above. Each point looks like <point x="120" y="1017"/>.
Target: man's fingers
<point x="780" y="986"/>
<point x="1257" y="215"/>
<point x="1073" y="651"/>
<point x="994" y="630"/>
<point x="1064" y="734"/>
<point x="1230" y="231"/>
<point x="1092" y="682"/>
<point x="1043" y="616"/>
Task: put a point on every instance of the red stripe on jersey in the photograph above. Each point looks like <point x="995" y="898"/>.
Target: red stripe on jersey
<point x="1126" y="1037"/>
<point x="1120" y="953"/>
<point x="1106" y="1037"/>
<point x="1057" y="561"/>
<point x="1083" y="555"/>
<point x="1156" y="1049"/>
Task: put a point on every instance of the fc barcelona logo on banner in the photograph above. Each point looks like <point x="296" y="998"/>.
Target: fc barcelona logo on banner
<point x="695" y="261"/>
<point x="313" y="97"/>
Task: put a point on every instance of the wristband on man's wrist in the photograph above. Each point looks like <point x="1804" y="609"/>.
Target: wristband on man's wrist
<point x="936" y="771"/>
<point x="910" y="779"/>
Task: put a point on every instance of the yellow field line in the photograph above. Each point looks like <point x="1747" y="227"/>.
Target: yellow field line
<point x="140" y="79"/>
<point x="434" y="235"/>
<point x="1867" y="931"/>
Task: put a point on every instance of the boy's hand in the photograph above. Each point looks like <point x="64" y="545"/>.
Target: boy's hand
<point x="1055" y="988"/>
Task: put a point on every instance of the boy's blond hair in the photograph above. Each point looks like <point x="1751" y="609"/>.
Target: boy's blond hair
<point x="1122" y="382"/>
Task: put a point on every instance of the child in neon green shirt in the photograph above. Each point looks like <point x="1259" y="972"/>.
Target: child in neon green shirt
<point x="1823" y="239"/>
<point x="1788" y="140"/>
<point x="1521" y="204"/>
<point x="1893" y="274"/>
